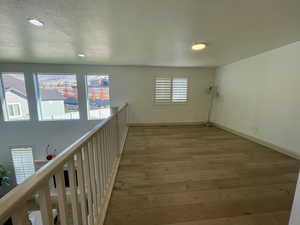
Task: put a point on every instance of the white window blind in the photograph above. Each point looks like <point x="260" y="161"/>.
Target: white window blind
<point x="180" y="89"/>
<point x="171" y="90"/>
<point x="163" y="87"/>
<point x="23" y="163"/>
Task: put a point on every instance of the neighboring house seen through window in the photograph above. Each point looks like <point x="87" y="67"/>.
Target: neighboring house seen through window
<point x="98" y="96"/>
<point x="57" y="96"/>
<point x="23" y="163"/>
<point x="14" y="97"/>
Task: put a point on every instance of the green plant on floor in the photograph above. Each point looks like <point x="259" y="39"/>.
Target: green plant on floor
<point x="4" y="176"/>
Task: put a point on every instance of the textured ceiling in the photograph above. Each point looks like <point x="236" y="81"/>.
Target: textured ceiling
<point x="145" y="32"/>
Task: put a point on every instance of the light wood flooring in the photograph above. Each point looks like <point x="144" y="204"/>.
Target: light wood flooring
<point x="194" y="175"/>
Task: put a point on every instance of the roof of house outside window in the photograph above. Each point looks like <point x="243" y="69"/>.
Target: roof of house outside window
<point x="16" y="86"/>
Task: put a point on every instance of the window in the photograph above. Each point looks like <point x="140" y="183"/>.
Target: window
<point x="23" y="163"/>
<point x="171" y="90"/>
<point x="14" y="97"/>
<point x="98" y="96"/>
<point x="163" y="86"/>
<point x="14" y="110"/>
<point x="179" y="89"/>
<point x="57" y="97"/>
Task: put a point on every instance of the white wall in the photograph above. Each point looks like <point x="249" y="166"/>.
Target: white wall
<point x="128" y="84"/>
<point x="259" y="97"/>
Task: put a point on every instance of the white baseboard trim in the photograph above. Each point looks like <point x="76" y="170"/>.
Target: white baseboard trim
<point x="168" y="124"/>
<point x="258" y="141"/>
<point x="106" y="201"/>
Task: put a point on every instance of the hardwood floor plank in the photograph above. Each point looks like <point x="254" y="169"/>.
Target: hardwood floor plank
<point x="193" y="175"/>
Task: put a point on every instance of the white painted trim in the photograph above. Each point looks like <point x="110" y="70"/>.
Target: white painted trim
<point x="258" y="141"/>
<point x="124" y="140"/>
<point x="166" y="124"/>
<point x="106" y="201"/>
<point x="294" y="215"/>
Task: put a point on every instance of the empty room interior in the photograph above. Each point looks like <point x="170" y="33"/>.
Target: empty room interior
<point x="144" y="112"/>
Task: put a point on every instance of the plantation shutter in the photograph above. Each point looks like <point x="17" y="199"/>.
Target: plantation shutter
<point x="23" y="163"/>
<point x="180" y="90"/>
<point x="162" y="90"/>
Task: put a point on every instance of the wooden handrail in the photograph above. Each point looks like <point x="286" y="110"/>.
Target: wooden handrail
<point x="21" y="193"/>
<point x="123" y="107"/>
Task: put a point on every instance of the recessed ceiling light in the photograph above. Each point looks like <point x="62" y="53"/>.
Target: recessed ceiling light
<point x="36" y="22"/>
<point x="199" y="46"/>
<point x="81" y="55"/>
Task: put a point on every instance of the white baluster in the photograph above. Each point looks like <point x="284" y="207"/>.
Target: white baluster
<point x="86" y="166"/>
<point x="45" y="205"/>
<point x="92" y="174"/>
<point x="20" y="217"/>
<point x="82" y="191"/>
<point x="62" y="200"/>
<point x="73" y="189"/>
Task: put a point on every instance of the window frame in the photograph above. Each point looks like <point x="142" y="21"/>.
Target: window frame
<point x="38" y="95"/>
<point x="11" y="148"/>
<point x="4" y="104"/>
<point x="171" y="92"/>
<point x="87" y="92"/>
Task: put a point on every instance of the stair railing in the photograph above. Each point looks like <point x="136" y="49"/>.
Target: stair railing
<point x="76" y="185"/>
